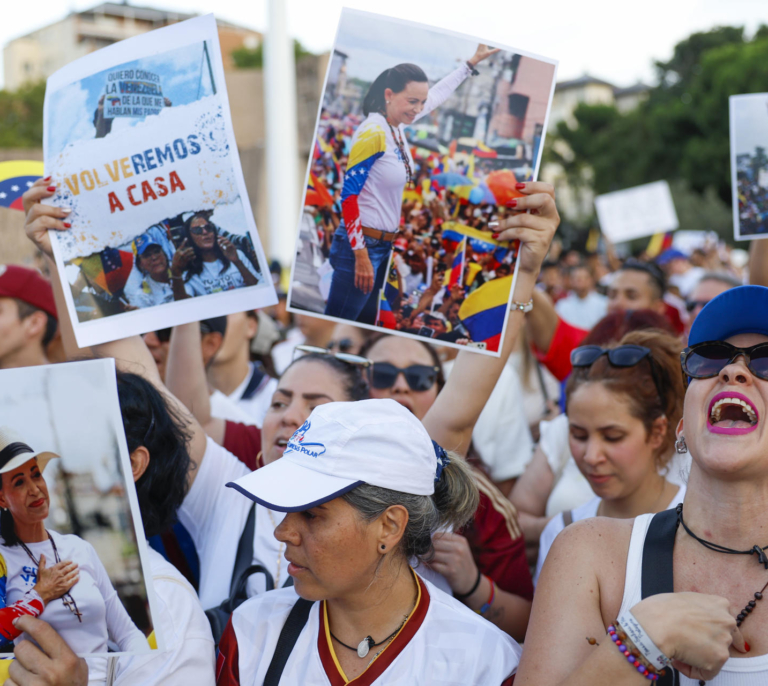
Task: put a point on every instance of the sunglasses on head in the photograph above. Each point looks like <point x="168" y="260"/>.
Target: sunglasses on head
<point x="203" y="228"/>
<point x="621" y="356"/>
<point x="708" y="359"/>
<point x="344" y="357"/>
<point x="419" y="377"/>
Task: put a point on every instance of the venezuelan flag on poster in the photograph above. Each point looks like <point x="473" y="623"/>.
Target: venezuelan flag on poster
<point x="473" y="269"/>
<point x="482" y="150"/>
<point x="108" y="269"/>
<point x="385" y="317"/>
<point x="658" y="244"/>
<point x="317" y="194"/>
<point x="484" y="311"/>
<point x="480" y="241"/>
<point x="16" y="177"/>
<point x="454" y="275"/>
<point x="392" y="287"/>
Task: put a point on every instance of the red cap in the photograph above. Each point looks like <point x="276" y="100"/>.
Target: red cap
<point x="27" y="285"/>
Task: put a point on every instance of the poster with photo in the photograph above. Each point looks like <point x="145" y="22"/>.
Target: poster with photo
<point x="138" y="139"/>
<point x="68" y="495"/>
<point x="749" y="165"/>
<point x="421" y="138"/>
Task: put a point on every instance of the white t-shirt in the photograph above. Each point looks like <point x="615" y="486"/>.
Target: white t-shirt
<point x="212" y="280"/>
<point x="215" y="517"/>
<point x="451" y="645"/>
<point x="189" y="657"/>
<point x="557" y="524"/>
<point x="102" y="612"/>
<point x="224" y="407"/>
<point x="582" y="312"/>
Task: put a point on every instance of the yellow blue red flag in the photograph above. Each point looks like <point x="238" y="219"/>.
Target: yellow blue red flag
<point x="16" y="177"/>
<point x="484" y="311"/>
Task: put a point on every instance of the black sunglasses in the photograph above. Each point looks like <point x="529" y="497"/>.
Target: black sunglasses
<point x="622" y="356"/>
<point x="203" y="228"/>
<point x="419" y="377"/>
<point x="691" y="305"/>
<point x="708" y="359"/>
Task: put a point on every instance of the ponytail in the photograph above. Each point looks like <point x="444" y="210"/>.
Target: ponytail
<point x="396" y="79"/>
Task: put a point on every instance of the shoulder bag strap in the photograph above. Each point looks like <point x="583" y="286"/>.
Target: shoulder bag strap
<point x="244" y="555"/>
<point x="288" y="637"/>
<point x="567" y="518"/>
<point x="657" y="576"/>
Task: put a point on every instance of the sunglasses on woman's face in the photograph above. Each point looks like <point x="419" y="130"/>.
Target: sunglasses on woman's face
<point x="419" y="377"/>
<point x="622" y="356"/>
<point x="200" y="230"/>
<point x="705" y="360"/>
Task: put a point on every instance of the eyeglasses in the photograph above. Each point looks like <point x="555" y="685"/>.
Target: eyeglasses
<point x="621" y="356"/>
<point x="343" y="346"/>
<point x="204" y="228"/>
<point x="344" y="357"/>
<point x="691" y="305"/>
<point x="419" y="377"/>
<point x="708" y="359"/>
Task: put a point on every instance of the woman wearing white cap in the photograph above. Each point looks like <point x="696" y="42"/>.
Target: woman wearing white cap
<point x="90" y="612"/>
<point x="364" y="488"/>
<point x="682" y="588"/>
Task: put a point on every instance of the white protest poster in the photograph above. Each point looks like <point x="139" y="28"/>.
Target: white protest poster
<point x="139" y="141"/>
<point x="636" y="212"/>
<point x="61" y="429"/>
<point x="422" y="138"/>
<point x="749" y="165"/>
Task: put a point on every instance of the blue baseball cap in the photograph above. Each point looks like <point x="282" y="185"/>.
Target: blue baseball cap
<point x="669" y="255"/>
<point x="141" y="243"/>
<point x="743" y="309"/>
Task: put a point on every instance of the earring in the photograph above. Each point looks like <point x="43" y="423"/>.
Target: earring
<point x="383" y="547"/>
<point x="387" y="102"/>
<point x="680" y="446"/>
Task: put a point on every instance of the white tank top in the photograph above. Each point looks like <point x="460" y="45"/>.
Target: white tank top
<point x="740" y="671"/>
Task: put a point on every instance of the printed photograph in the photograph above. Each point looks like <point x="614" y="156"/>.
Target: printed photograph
<point x="749" y="165"/>
<point x="143" y="155"/>
<point x="72" y="547"/>
<point x="421" y="139"/>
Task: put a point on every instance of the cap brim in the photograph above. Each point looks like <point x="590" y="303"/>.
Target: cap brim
<point x="15" y="462"/>
<point x="735" y="311"/>
<point x="285" y="486"/>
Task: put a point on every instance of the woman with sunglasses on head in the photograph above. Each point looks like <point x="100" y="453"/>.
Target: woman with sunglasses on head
<point x="623" y="405"/>
<point x="685" y="584"/>
<point x="206" y="262"/>
<point x="363" y="488"/>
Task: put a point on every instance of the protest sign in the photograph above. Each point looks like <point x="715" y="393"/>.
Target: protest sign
<point x="421" y="187"/>
<point x="636" y="212"/>
<point x="140" y="145"/>
<point x="66" y="432"/>
<point x="749" y="165"/>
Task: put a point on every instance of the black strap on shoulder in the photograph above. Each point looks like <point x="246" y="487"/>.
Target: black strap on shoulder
<point x="567" y="518"/>
<point x="244" y="555"/>
<point x="288" y="637"/>
<point x="257" y="376"/>
<point x="657" y="573"/>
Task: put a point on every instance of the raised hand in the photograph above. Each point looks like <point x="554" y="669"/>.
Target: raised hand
<point x="40" y="218"/>
<point x="182" y="258"/>
<point x="229" y="250"/>
<point x="482" y="52"/>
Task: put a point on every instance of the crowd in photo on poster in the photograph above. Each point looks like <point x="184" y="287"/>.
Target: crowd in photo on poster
<point x="140" y="146"/>
<point x="422" y="138"/>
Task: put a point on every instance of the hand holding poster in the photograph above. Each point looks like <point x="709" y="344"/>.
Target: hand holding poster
<point x="422" y="138"/>
<point x="140" y="146"/>
<point x="636" y="212"/>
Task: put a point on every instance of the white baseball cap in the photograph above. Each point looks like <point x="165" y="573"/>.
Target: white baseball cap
<point x="14" y="452"/>
<point x="342" y="446"/>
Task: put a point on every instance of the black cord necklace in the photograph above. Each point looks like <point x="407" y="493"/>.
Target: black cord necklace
<point x="401" y="147"/>
<point x="367" y="643"/>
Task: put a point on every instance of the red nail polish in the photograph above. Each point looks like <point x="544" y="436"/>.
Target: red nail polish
<point x="67" y="225"/>
<point x="495" y="235"/>
<point x="51" y="189"/>
<point x="47" y="178"/>
<point x="512" y="203"/>
<point x="746" y="645"/>
<point x="519" y="185"/>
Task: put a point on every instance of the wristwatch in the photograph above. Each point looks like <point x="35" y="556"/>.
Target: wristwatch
<point x="472" y="70"/>
<point x="525" y="308"/>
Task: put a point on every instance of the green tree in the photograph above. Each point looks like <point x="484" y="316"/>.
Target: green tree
<point x="21" y="117"/>
<point x="246" y="58"/>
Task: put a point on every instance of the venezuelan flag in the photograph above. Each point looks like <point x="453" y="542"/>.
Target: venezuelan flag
<point x="658" y="244"/>
<point x="480" y="241"/>
<point x="482" y="150"/>
<point x="385" y="317"/>
<point x="317" y="194"/>
<point x="108" y="269"/>
<point x="454" y="275"/>
<point x="484" y="311"/>
<point x="392" y="288"/>
<point x="16" y="177"/>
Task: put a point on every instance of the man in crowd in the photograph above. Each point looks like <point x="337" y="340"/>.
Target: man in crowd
<point x="27" y="317"/>
<point x="583" y="306"/>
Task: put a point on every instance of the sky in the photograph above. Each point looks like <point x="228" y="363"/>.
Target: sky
<point x="750" y="117"/>
<point x="612" y="40"/>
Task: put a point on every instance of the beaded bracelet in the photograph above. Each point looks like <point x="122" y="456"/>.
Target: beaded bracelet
<point x="633" y="659"/>
<point x="491" y="598"/>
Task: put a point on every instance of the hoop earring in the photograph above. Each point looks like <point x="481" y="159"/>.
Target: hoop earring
<point x="680" y="446"/>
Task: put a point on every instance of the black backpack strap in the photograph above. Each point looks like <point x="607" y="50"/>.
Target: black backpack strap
<point x="657" y="573"/>
<point x="244" y="555"/>
<point x="288" y="637"/>
<point x="258" y="376"/>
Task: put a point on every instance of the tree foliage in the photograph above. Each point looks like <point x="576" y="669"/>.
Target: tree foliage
<point x="21" y="117"/>
<point x="246" y="58"/>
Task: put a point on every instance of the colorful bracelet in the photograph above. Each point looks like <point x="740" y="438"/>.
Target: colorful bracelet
<point x="491" y="598"/>
<point x="628" y="624"/>
<point x="633" y="659"/>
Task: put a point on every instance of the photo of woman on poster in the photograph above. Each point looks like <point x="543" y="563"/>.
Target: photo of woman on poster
<point x="90" y="613"/>
<point x="150" y="280"/>
<point x="379" y="169"/>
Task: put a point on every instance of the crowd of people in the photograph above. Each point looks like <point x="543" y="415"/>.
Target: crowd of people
<point x="753" y="205"/>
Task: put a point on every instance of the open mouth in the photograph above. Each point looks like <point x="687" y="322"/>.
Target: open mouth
<point x="732" y="413"/>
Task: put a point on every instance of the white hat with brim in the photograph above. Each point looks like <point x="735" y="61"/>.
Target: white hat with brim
<point x="342" y="446"/>
<point x="14" y="452"/>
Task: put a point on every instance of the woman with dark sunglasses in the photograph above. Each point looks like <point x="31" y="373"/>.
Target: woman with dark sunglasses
<point x="687" y="583"/>
<point x="623" y="405"/>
